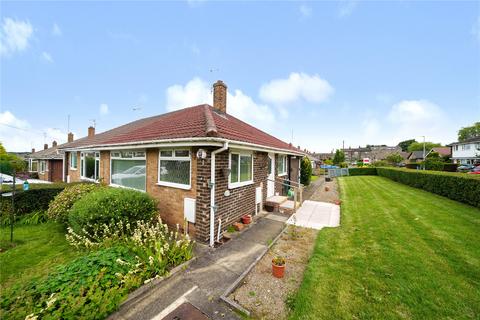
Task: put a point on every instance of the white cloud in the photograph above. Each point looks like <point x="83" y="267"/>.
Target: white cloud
<point x="305" y="11"/>
<point x="104" y="109"/>
<point x="18" y="135"/>
<point x="476" y="29"/>
<point x="240" y="105"/>
<point x="297" y="86"/>
<point x="56" y="31"/>
<point x="371" y="128"/>
<point x="14" y="36"/>
<point x="47" y="57"/>
<point x="346" y="8"/>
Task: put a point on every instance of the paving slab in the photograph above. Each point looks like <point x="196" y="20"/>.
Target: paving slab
<point x="316" y="215"/>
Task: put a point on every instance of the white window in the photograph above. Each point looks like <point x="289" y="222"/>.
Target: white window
<point x="241" y="169"/>
<point x="73" y="160"/>
<point x="282" y="165"/>
<point x="456" y="147"/>
<point x="43" y="166"/>
<point x="33" y="165"/>
<point x="174" y="166"/>
<point x="90" y="165"/>
<point x="128" y="169"/>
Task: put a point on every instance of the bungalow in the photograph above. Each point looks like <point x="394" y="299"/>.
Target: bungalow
<point x="202" y="164"/>
<point x="47" y="163"/>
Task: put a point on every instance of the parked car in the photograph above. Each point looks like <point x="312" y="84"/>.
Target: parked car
<point x="475" y="170"/>
<point x="465" y="168"/>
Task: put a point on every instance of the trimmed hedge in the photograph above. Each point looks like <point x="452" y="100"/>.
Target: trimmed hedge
<point x="369" y="171"/>
<point x="460" y="187"/>
<point x="108" y="206"/>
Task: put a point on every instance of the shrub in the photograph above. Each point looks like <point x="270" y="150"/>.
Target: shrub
<point x="381" y="163"/>
<point x="109" y="206"/>
<point x="305" y="171"/>
<point x="413" y="165"/>
<point x="90" y="287"/>
<point x="63" y="202"/>
<point x="367" y="171"/>
<point x="460" y="187"/>
<point x="435" y="164"/>
<point x="450" y="167"/>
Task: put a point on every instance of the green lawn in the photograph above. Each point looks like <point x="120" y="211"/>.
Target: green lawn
<point x="400" y="253"/>
<point x="38" y="250"/>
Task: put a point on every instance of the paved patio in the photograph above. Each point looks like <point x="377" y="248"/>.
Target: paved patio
<point x="316" y="215"/>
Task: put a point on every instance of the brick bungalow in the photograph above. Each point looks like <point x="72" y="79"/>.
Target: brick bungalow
<point x="47" y="163"/>
<point x="200" y="163"/>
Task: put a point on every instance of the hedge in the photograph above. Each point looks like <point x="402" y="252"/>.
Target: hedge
<point x="456" y="186"/>
<point x="368" y="171"/>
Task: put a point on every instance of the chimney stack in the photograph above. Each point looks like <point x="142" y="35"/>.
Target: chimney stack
<point x="220" y="96"/>
<point x="54" y="143"/>
<point x="33" y="150"/>
<point x="45" y="146"/>
<point x="70" y="137"/>
<point x="91" y="131"/>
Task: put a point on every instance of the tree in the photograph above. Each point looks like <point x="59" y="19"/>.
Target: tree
<point x="8" y="162"/>
<point x="305" y="171"/>
<point x="328" y="162"/>
<point x="418" y="146"/>
<point x="394" y="158"/>
<point x="405" y="144"/>
<point x="339" y="157"/>
<point x="469" y="132"/>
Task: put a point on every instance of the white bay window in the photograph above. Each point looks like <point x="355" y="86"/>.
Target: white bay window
<point x="174" y="167"/>
<point x="241" y="169"/>
<point x="128" y="169"/>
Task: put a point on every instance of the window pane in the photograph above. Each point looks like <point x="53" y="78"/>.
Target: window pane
<point x="181" y="153"/>
<point x="175" y="171"/>
<point x="34" y="166"/>
<point x="89" y="165"/>
<point x="97" y="168"/>
<point x="234" y="168"/>
<point x="166" y="153"/>
<point x="245" y="168"/>
<point x="280" y="165"/>
<point x="129" y="173"/>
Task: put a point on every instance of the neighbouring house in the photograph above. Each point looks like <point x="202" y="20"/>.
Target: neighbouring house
<point x="466" y="152"/>
<point x="48" y="163"/>
<point x="444" y="152"/>
<point x="417" y="156"/>
<point x="372" y="152"/>
<point x="201" y="164"/>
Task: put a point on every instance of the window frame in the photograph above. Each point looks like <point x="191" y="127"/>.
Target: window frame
<point x="233" y="185"/>
<point x="134" y="157"/>
<point x="82" y="166"/>
<point x="30" y="165"/>
<point x="175" y="158"/>
<point x="284" y="165"/>
<point x="44" y="164"/>
<point x="76" y="160"/>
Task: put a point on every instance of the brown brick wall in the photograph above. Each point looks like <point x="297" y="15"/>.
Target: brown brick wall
<point x="230" y="208"/>
<point x="104" y="167"/>
<point x="74" y="174"/>
<point x="170" y="199"/>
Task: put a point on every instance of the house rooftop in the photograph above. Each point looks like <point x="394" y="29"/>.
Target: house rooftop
<point x="469" y="140"/>
<point x="202" y="121"/>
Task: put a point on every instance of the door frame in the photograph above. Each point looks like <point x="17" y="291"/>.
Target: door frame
<point x="271" y="176"/>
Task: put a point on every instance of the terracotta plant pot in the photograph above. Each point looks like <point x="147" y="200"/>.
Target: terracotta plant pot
<point x="247" y="219"/>
<point x="278" y="271"/>
<point x="338" y="202"/>
<point x="327" y="188"/>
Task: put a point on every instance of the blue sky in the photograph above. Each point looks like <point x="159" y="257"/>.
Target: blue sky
<point x="320" y="72"/>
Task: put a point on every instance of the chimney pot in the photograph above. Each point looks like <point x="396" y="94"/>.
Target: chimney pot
<point x="33" y="150"/>
<point x="54" y="143"/>
<point x="220" y="96"/>
<point x="45" y="146"/>
<point x="70" y="137"/>
<point x="91" y="131"/>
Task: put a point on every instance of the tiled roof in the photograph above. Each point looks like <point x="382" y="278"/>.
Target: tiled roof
<point x="50" y="153"/>
<point x="442" y="151"/>
<point x="194" y="122"/>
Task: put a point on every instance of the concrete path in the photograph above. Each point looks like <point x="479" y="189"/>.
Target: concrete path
<point x="316" y="215"/>
<point x="206" y="279"/>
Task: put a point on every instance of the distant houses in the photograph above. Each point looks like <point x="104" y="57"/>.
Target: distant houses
<point x="467" y="151"/>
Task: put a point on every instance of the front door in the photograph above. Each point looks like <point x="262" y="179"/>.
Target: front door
<point x="271" y="175"/>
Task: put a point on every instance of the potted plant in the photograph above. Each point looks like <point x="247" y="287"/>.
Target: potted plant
<point x="338" y="202"/>
<point x="247" y="219"/>
<point x="278" y="266"/>
<point x="327" y="188"/>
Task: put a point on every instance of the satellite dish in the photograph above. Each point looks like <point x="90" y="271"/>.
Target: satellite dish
<point x="201" y="154"/>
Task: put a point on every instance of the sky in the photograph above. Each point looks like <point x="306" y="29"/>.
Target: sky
<point x="317" y="74"/>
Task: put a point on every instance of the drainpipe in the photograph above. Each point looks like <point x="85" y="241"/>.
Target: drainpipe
<point x="213" y="207"/>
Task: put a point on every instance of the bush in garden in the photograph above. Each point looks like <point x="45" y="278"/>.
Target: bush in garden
<point x="90" y="287"/>
<point x="305" y="171"/>
<point x="456" y="186"/>
<point x="107" y="206"/>
<point x="63" y="202"/>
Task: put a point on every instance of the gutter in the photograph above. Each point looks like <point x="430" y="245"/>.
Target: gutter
<point x="213" y="207"/>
